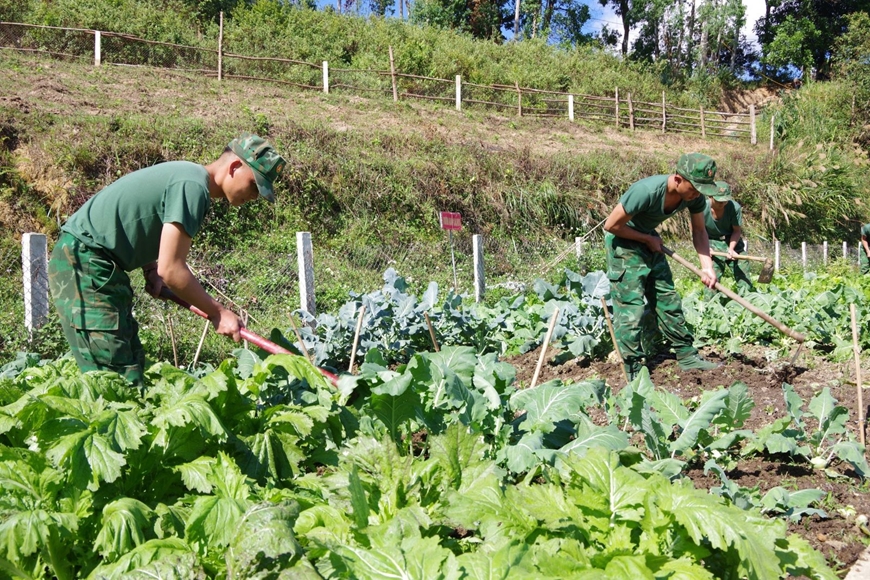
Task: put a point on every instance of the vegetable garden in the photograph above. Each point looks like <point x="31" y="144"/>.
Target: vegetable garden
<point x="445" y="464"/>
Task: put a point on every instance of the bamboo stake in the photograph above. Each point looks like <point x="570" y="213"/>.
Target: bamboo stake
<point x="519" y="100"/>
<point x="703" y="127"/>
<point x="431" y="332"/>
<point x="199" y="346"/>
<point x="616" y="102"/>
<point x="172" y="338"/>
<point x="359" y="321"/>
<point x="857" y="350"/>
<point x="613" y="338"/>
<point x="245" y="323"/>
<point x="630" y="113"/>
<point x="299" y="337"/>
<point x="544" y="347"/>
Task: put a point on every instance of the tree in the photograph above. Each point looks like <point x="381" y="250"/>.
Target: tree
<point x="480" y="18"/>
<point x="626" y="12"/>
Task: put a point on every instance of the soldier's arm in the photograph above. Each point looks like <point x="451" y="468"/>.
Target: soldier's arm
<point x="172" y="268"/>
<point x="736" y="234"/>
<point x="617" y="224"/>
<point x="866" y="245"/>
<point x="702" y="245"/>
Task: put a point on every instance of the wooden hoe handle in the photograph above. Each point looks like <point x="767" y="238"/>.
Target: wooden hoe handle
<point x="739" y="300"/>
<point x="740" y="256"/>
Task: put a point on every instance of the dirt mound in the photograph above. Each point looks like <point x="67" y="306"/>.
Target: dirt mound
<point x="738" y="101"/>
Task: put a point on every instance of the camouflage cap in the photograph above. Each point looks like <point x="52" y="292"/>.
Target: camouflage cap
<point x="700" y="170"/>
<point x="263" y="160"/>
<point x="723" y="192"/>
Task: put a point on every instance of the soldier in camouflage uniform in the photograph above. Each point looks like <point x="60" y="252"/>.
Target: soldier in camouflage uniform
<point x="146" y="220"/>
<point x="865" y="246"/>
<point x="639" y="271"/>
<point x="723" y="218"/>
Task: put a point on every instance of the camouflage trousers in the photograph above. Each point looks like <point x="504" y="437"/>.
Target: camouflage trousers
<point x="738" y="268"/>
<point x="95" y="302"/>
<point x="645" y="301"/>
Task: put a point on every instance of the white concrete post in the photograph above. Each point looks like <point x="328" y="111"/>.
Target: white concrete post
<point x="804" y="255"/>
<point x="845" y="250"/>
<point x="479" y="281"/>
<point x="458" y="92"/>
<point x="98" y="51"/>
<point x="776" y="255"/>
<point x="825" y="253"/>
<point x="326" y="77"/>
<point x="753" y="136"/>
<point x="34" y="262"/>
<point x="305" y="259"/>
<point x="570" y="107"/>
<point x="578" y="246"/>
<point x="772" y="117"/>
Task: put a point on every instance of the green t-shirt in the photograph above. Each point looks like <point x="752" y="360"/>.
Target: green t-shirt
<point x="645" y="203"/>
<point x="724" y="226"/>
<point x="865" y="231"/>
<point x="126" y="218"/>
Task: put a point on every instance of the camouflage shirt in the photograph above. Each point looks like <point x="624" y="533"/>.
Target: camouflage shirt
<point x="722" y="228"/>
<point x="645" y="203"/>
<point x="125" y="219"/>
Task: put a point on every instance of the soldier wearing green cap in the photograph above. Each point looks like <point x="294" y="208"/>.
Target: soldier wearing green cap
<point x="147" y="220"/>
<point x="865" y="246"/>
<point x="723" y="218"/>
<point x="642" y="285"/>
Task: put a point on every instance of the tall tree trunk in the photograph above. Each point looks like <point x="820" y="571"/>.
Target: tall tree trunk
<point x="517" y="20"/>
<point x="736" y="46"/>
<point x="690" y="40"/>
<point x="625" y="10"/>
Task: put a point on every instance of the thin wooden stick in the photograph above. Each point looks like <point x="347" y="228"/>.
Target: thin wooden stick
<point x="245" y="323"/>
<point x="199" y="346"/>
<point x="857" y="350"/>
<point x="299" y="337"/>
<point x="172" y="338"/>
<point x="613" y="338"/>
<point x="544" y="347"/>
<point x="431" y="332"/>
<point x="359" y="322"/>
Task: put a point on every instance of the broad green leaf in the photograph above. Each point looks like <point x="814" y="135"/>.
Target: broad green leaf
<point x="263" y="540"/>
<point x="738" y="407"/>
<point x="213" y="520"/>
<point x="590" y="435"/>
<point x="358" y="501"/>
<point x="547" y="404"/>
<point x="633" y="567"/>
<point x="822" y="405"/>
<point x="853" y="453"/>
<point x="412" y="559"/>
<point x="669" y="408"/>
<point x="152" y="551"/>
<point x="684" y="569"/>
<point x="460" y="455"/>
<point x="189" y="409"/>
<point x="123" y="528"/>
<point x="522" y="456"/>
<point x="394" y="411"/>
<point x="622" y="488"/>
<point x="700" y="419"/>
<point x="196" y="474"/>
<point x="793" y="403"/>
<point x="798" y="558"/>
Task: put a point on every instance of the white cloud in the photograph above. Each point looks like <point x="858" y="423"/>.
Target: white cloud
<point x="754" y="11"/>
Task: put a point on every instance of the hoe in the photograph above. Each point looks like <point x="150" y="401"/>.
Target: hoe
<point x="766" y="271"/>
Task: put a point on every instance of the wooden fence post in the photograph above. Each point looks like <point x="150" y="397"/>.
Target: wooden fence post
<point x="393" y="77"/>
<point x="98" y="48"/>
<point x="616" y="106"/>
<point x="519" y="99"/>
<point x="326" y="77"/>
<point x="305" y="260"/>
<point x="458" y="92"/>
<point x="703" y="127"/>
<point x="220" y="70"/>
<point x="664" y="113"/>
<point x="570" y="107"/>
<point x="630" y="113"/>
<point x="753" y="137"/>
<point x="34" y="266"/>
<point x="776" y="256"/>
<point x="479" y="281"/>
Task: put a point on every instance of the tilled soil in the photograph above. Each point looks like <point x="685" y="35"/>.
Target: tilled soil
<point x="837" y="537"/>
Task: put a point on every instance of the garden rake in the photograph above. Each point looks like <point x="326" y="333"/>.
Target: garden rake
<point x="766" y="271"/>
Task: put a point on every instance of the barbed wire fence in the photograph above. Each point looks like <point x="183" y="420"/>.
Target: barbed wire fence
<point x="262" y="285"/>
